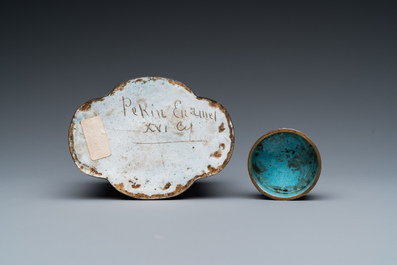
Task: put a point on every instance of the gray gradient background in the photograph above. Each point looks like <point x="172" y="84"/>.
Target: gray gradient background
<point x="327" y="69"/>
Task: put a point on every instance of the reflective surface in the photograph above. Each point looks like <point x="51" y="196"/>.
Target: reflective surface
<point x="284" y="164"/>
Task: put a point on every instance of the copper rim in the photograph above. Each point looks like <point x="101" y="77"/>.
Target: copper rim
<point x="290" y="131"/>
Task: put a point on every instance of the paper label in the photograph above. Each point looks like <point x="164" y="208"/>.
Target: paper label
<point x="96" y="138"/>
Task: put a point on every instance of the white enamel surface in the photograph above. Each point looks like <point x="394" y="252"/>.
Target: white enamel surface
<point x="154" y="151"/>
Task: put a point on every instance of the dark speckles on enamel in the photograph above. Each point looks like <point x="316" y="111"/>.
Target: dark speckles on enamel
<point x="284" y="164"/>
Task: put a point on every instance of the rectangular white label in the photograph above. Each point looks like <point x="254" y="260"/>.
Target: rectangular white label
<point x="96" y="138"/>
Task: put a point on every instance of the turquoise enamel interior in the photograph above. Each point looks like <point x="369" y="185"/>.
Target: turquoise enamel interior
<point x="284" y="164"/>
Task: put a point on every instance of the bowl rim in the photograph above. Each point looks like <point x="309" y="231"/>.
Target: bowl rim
<point x="281" y="130"/>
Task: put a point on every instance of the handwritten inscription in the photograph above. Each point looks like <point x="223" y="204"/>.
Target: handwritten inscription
<point x="178" y="112"/>
<point x="141" y="109"/>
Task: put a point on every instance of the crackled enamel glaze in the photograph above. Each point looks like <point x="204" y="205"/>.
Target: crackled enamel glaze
<point x="284" y="164"/>
<point x="162" y="137"/>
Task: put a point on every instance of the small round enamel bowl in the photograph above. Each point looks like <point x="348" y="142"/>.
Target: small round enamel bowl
<point x="284" y="164"/>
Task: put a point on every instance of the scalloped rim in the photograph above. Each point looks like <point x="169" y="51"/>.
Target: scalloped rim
<point x="92" y="171"/>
